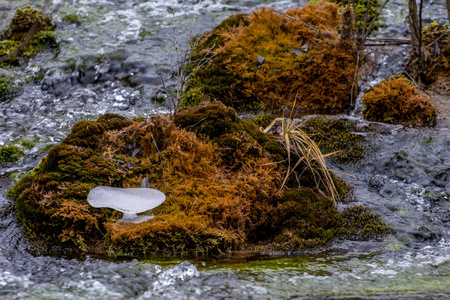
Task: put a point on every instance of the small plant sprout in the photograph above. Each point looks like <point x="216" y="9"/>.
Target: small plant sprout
<point x="129" y="201"/>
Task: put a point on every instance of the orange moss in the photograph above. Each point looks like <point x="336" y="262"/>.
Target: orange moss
<point x="266" y="59"/>
<point x="397" y="100"/>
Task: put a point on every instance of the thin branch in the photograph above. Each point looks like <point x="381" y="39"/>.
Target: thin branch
<point x="354" y="79"/>
<point x="364" y="22"/>
<point x="162" y="164"/>
<point x="404" y="70"/>
<point x="358" y="34"/>
<point x="374" y="19"/>
<point x="165" y="89"/>
<point x="387" y="41"/>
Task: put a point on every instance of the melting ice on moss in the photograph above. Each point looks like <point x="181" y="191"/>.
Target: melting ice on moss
<point x="129" y="201"/>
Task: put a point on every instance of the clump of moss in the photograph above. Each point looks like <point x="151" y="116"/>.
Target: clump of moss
<point x="360" y="223"/>
<point x="303" y="220"/>
<point x="5" y="85"/>
<point x="12" y="39"/>
<point x="10" y="154"/>
<point x="264" y="120"/>
<point x="267" y="60"/>
<point x="398" y="101"/>
<point x="339" y="135"/>
<point x="72" y="19"/>
<point x="222" y="188"/>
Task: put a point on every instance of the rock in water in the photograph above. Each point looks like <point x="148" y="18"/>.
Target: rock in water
<point x="129" y="201"/>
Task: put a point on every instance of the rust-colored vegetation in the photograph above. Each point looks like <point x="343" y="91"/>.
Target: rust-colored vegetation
<point x="267" y="59"/>
<point x="398" y="101"/>
<point x="222" y="177"/>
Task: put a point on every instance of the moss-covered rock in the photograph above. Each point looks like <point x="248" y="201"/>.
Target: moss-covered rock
<point x="396" y="100"/>
<point x="361" y="223"/>
<point x="222" y="187"/>
<point x="5" y="85"/>
<point x="344" y="136"/>
<point x="72" y="19"/>
<point x="13" y="38"/>
<point x="269" y="60"/>
<point x="10" y="154"/>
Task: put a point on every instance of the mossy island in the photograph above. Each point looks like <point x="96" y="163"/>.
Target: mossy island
<point x="221" y="176"/>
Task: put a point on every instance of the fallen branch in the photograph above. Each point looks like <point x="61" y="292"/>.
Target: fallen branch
<point x="386" y="41"/>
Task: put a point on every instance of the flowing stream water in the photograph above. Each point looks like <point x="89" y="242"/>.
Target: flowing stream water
<point x="106" y="64"/>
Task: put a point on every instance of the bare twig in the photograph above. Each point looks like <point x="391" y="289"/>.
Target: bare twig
<point x="354" y="79"/>
<point x="183" y="60"/>
<point x="369" y="28"/>
<point x="162" y="164"/>
<point x="165" y="89"/>
<point x="404" y="70"/>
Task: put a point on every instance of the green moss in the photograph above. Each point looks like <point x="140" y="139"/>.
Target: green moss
<point x="238" y="138"/>
<point x="304" y="220"/>
<point x="27" y="144"/>
<point x="41" y="40"/>
<point x="10" y="154"/>
<point x="340" y="135"/>
<point x="264" y="120"/>
<point x="5" y="85"/>
<point x="16" y="33"/>
<point x="211" y="120"/>
<point x="72" y="19"/>
<point x="360" y="223"/>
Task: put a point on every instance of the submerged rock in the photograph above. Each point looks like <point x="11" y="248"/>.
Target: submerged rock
<point x="221" y="175"/>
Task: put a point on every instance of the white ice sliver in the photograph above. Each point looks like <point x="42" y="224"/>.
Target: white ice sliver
<point x="130" y="201"/>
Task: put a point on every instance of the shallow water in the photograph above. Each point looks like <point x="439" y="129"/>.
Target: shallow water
<point x="106" y="65"/>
